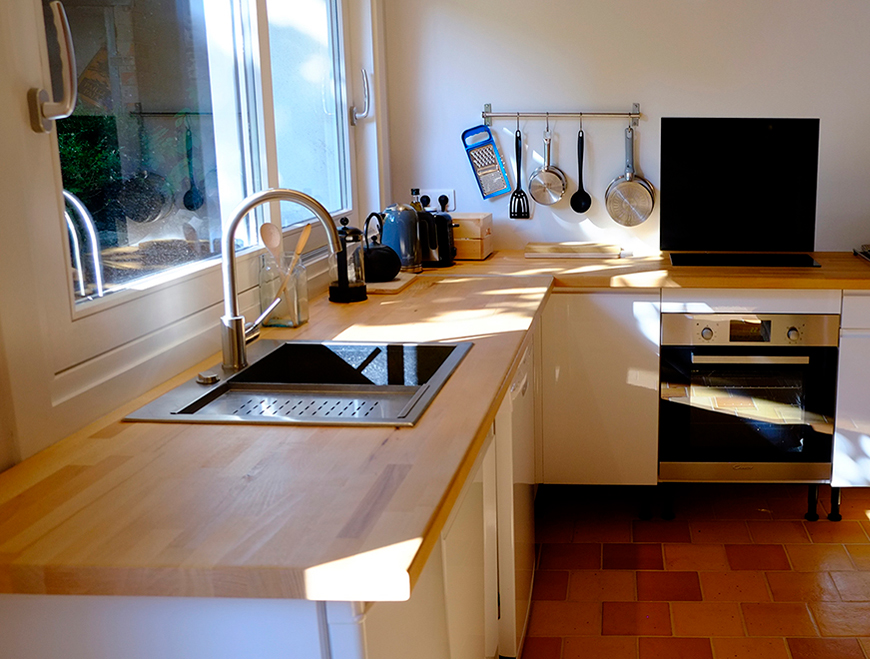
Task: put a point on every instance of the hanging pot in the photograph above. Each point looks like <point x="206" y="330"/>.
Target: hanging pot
<point x="629" y="198"/>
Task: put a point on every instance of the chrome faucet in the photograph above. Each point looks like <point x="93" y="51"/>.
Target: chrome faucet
<point x="234" y="335"/>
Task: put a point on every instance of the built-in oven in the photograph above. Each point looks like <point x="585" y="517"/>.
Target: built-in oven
<point x="747" y="397"/>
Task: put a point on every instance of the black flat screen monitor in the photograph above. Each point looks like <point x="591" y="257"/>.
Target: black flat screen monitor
<point x="744" y="185"/>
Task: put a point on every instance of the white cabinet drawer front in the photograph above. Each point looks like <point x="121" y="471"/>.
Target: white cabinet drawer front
<point x="856" y="310"/>
<point x="724" y="300"/>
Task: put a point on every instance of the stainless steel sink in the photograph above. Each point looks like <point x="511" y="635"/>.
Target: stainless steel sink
<point x="310" y="383"/>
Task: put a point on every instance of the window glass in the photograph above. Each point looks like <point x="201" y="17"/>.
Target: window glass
<point x="309" y="118"/>
<point x="139" y="151"/>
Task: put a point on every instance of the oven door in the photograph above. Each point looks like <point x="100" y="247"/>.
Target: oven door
<point x="747" y="413"/>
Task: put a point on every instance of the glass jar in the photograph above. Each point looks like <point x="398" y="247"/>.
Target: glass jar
<point x="292" y="310"/>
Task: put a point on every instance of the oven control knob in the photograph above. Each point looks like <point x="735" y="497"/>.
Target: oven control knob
<point x="793" y="334"/>
<point x="706" y="334"/>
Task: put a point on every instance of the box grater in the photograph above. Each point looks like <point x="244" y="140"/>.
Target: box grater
<point x="485" y="161"/>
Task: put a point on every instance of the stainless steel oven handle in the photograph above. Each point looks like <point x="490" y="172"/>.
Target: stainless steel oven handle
<point x="749" y="359"/>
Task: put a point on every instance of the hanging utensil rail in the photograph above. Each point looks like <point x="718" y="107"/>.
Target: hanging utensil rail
<point x="488" y="115"/>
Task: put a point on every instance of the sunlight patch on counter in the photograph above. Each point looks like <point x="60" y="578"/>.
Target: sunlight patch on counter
<point x="373" y="576"/>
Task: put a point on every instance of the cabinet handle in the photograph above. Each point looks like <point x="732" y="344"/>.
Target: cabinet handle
<point x="748" y="359"/>
<point x="42" y="110"/>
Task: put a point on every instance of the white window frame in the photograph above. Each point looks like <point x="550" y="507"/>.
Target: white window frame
<point x="72" y="365"/>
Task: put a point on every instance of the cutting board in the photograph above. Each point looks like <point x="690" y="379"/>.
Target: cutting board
<point x="402" y="280"/>
<point x="572" y="250"/>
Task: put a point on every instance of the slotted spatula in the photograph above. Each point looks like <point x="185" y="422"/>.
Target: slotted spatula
<point x="519" y="201"/>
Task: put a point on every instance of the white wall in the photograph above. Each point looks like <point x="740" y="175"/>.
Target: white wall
<point x="795" y="58"/>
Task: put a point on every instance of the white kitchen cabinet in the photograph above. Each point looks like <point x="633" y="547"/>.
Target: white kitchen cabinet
<point x="453" y="609"/>
<point x="852" y="434"/>
<point x="600" y="372"/>
<point x="515" y="486"/>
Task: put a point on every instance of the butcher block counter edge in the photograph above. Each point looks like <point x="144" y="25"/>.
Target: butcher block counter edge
<point x="838" y="271"/>
<point x="30" y="511"/>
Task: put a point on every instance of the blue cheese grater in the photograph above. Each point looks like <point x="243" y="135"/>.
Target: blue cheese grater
<point x="486" y="162"/>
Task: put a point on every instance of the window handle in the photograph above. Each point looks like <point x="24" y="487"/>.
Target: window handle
<point x="354" y="115"/>
<point x="42" y="110"/>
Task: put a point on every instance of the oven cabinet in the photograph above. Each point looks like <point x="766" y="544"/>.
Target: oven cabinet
<point x="600" y="387"/>
<point x="852" y="434"/>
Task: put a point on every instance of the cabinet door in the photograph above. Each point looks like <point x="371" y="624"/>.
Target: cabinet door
<point x="852" y="436"/>
<point x="469" y="557"/>
<point x="600" y="388"/>
<point x="515" y="484"/>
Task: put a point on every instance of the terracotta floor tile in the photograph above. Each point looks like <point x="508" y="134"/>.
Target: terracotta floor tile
<point x="550" y="585"/>
<point x="633" y="557"/>
<point x="865" y="643"/>
<point x="707" y="619"/>
<point x="729" y="586"/>
<point x="788" y="507"/>
<point x="749" y="648"/>
<point x="668" y="586"/>
<point x="537" y="647"/>
<point x="636" y="619"/>
<point x="842" y="618"/>
<point x="695" y="557"/>
<point x="853" y="586"/>
<point x="860" y="555"/>
<point x="719" y="532"/>
<point x="602" y="531"/>
<point x="675" y="648"/>
<point x="825" y="648"/>
<point x="571" y="556"/>
<point x="598" y="586"/>
<point x="781" y="532"/>
<point x="839" y="532"/>
<point x="851" y="509"/>
<point x="803" y="586"/>
<point x="601" y="647"/>
<point x="743" y="508"/>
<point x="554" y="530"/>
<point x="565" y="619"/>
<point x="806" y="558"/>
<point x="757" y="557"/>
<point x="660" y="531"/>
<point x="777" y="619"/>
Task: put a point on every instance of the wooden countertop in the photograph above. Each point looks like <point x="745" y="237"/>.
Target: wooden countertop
<point x="261" y="511"/>
<point x="839" y="270"/>
<point x="310" y="512"/>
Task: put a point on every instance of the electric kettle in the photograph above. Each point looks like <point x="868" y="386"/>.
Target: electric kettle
<point x="401" y="232"/>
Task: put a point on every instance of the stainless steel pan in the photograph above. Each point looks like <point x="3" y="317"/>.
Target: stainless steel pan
<point x="547" y="184"/>
<point x="629" y="198"/>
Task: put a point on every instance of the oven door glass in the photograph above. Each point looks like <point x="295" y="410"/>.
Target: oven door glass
<point x="747" y="405"/>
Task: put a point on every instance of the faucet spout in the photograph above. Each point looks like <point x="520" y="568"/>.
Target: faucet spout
<point x="232" y="322"/>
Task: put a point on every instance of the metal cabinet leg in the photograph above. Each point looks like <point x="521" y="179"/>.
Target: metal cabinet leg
<point x="835" y="515"/>
<point x="812" y="503"/>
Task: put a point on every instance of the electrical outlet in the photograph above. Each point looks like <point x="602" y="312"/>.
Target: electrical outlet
<point x="433" y="198"/>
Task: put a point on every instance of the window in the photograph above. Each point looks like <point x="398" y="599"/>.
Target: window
<point x="151" y="70"/>
<point x="185" y="107"/>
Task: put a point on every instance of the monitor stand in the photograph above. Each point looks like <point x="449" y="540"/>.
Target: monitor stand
<point x="744" y="260"/>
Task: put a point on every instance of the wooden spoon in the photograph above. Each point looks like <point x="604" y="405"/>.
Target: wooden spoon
<point x="273" y="239"/>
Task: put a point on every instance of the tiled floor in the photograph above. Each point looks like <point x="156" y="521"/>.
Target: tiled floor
<point x="737" y="574"/>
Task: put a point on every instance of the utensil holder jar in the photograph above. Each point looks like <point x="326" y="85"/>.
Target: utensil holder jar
<point x="292" y="310"/>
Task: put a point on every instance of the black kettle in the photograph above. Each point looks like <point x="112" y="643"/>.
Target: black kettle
<point x="381" y="261"/>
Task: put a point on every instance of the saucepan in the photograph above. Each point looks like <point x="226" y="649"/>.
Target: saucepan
<point x="547" y="184"/>
<point x="629" y="198"/>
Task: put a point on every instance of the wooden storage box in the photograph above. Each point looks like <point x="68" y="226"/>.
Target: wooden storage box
<point x="473" y="235"/>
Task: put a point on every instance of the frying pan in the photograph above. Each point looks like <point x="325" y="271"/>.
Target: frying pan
<point x="547" y="184"/>
<point x="629" y="198"/>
